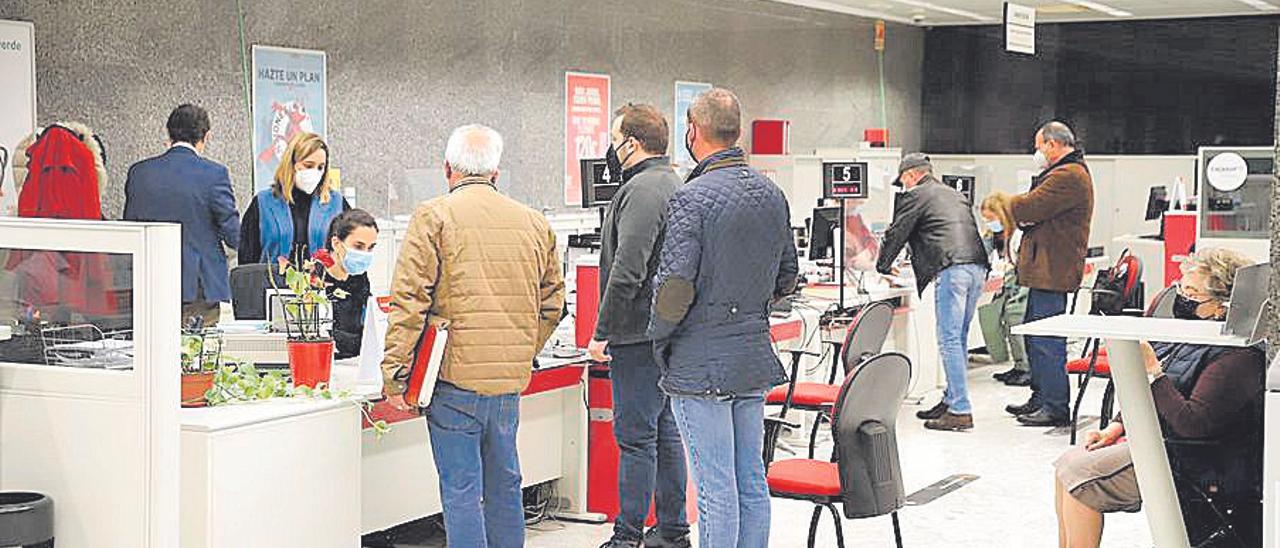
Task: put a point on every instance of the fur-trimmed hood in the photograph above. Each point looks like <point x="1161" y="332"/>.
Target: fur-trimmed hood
<point x="20" y="158"/>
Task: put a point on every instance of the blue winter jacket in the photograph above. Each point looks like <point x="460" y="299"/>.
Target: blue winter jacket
<point x="728" y="253"/>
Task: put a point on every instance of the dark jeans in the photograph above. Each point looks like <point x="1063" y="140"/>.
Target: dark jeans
<point x="473" y="440"/>
<point x="652" y="454"/>
<point x="1048" y="355"/>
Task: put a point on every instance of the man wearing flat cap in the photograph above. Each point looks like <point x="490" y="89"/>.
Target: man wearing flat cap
<point x="937" y="223"/>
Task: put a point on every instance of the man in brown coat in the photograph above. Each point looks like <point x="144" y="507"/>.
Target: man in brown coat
<point x="487" y="266"/>
<point x="1055" y="217"/>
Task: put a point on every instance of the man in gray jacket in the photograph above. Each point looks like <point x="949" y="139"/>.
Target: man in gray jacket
<point x="652" y="454"/>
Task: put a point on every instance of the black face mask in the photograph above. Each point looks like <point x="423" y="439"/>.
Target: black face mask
<point x="613" y="164"/>
<point x="1185" y="308"/>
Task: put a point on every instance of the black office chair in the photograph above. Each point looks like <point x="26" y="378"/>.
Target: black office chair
<point x="1218" y="513"/>
<point x="865" y="473"/>
<point x="864" y="339"/>
<point x="249" y="287"/>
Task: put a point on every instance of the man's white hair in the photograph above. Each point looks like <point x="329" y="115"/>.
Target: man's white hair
<point x="474" y="150"/>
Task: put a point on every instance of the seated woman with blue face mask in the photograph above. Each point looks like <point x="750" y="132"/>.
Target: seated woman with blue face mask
<point x="352" y="237"/>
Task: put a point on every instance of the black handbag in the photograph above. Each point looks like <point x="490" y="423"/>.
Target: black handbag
<point x="1118" y="288"/>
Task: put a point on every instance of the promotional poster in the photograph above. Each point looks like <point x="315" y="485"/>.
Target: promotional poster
<point x="586" y="127"/>
<point x="289" y="97"/>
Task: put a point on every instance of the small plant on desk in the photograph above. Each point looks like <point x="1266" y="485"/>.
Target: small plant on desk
<point x="310" y="347"/>
<point x="201" y="356"/>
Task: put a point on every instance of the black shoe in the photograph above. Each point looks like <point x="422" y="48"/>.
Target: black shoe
<point x="615" y="543"/>
<point x="1001" y="376"/>
<point x="654" y="539"/>
<point x="1044" y="418"/>
<point x="932" y="413"/>
<point x="1024" y="409"/>
<point x="1021" y="378"/>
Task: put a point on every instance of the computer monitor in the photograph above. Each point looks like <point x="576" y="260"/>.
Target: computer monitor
<point x="844" y="180"/>
<point x="597" y="187"/>
<point x="1157" y="202"/>
<point x="821" y="232"/>
<point x="963" y="183"/>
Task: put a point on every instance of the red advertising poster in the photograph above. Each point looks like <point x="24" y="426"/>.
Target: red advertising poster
<point x="586" y="127"/>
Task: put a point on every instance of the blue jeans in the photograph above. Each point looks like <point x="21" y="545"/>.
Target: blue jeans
<point x="1048" y="355"/>
<point x="725" y="440"/>
<point x="652" y="454"/>
<point x="958" y="289"/>
<point x="473" y="439"/>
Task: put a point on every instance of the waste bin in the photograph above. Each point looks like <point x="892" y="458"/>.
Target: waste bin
<point x="26" y="520"/>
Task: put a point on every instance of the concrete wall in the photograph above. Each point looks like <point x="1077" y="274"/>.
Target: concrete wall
<point x="403" y="74"/>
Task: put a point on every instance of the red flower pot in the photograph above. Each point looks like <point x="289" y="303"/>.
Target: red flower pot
<point x="194" y="387"/>
<point x="310" y="362"/>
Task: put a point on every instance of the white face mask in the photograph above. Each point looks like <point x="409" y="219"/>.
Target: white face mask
<point x="1042" y="161"/>
<point x="308" y="179"/>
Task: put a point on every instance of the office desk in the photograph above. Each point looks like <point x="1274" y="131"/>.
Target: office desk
<point x="283" y="473"/>
<point x="1142" y="427"/>
<point x="398" y="472"/>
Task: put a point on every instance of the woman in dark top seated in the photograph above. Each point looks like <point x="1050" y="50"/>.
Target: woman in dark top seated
<point x="291" y="219"/>
<point x="1201" y="392"/>
<point x="352" y="237"/>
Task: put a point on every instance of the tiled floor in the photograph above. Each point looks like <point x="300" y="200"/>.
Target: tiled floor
<point x="1010" y="505"/>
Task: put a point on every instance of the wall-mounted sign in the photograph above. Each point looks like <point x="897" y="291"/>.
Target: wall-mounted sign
<point x="17" y="101"/>
<point x="962" y="183"/>
<point x="1227" y="171"/>
<point x="844" y="180"/>
<point x="289" y="97"/>
<point x="1019" y="29"/>
<point x="586" y="127"/>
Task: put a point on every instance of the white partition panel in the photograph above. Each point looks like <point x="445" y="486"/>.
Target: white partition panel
<point x="89" y="418"/>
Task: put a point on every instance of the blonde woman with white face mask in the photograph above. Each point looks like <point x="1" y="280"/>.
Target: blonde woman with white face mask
<point x="291" y="219"/>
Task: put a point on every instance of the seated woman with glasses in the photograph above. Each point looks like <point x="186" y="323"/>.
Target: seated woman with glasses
<point x="1201" y="393"/>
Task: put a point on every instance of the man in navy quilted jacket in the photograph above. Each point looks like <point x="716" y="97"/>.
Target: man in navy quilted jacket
<point x="728" y="253"/>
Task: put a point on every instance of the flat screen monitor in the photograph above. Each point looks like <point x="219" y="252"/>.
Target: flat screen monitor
<point x="844" y="180"/>
<point x="597" y="188"/>
<point x="1157" y="202"/>
<point x="822" y="232"/>
<point x="962" y="183"/>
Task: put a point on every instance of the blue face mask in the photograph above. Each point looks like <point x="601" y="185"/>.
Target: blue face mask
<point x="996" y="226"/>
<point x="357" y="262"/>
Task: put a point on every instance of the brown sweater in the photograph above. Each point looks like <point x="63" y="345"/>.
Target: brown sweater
<point x="1226" y="399"/>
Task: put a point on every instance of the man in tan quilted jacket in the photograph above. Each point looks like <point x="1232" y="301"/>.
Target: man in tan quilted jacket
<point x="487" y="266"/>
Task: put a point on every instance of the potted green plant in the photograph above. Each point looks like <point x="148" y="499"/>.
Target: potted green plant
<point x="310" y="347"/>
<point x="201" y="357"/>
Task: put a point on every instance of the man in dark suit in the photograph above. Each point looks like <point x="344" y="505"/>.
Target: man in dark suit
<point x="181" y="186"/>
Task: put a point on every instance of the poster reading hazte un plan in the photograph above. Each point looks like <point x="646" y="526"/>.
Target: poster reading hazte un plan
<point x="289" y="97"/>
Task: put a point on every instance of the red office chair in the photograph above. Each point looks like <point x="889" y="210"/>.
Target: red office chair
<point x="1094" y="363"/>
<point x="866" y="336"/>
<point x="864" y="474"/>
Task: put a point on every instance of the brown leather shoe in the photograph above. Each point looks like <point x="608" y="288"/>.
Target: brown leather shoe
<point x="951" y="421"/>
